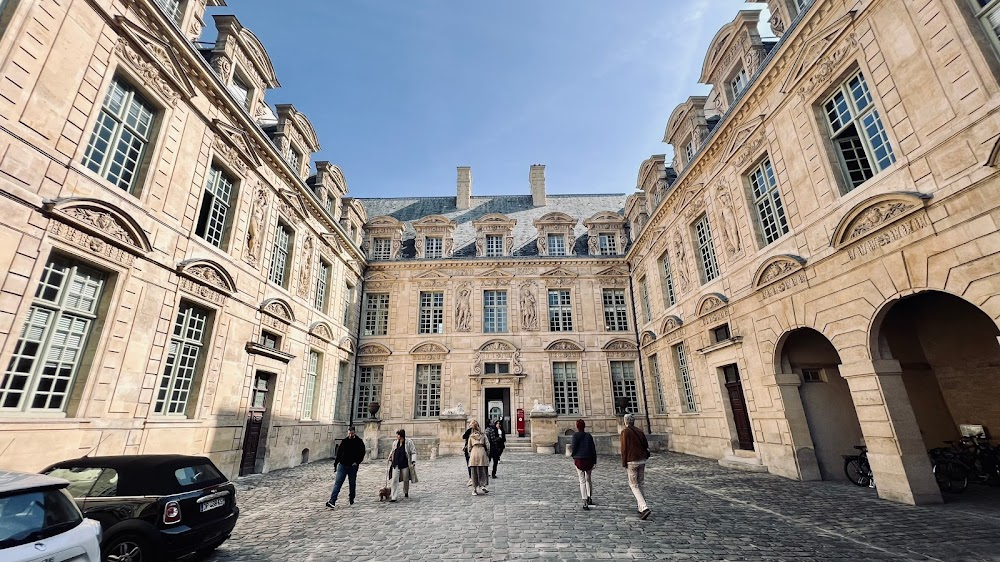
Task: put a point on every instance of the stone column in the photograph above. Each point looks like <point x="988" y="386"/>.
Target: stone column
<point x="896" y="450"/>
<point x="371" y="439"/>
<point x="544" y="432"/>
<point x="450" y="430"/>
<point x="802" y="445"/>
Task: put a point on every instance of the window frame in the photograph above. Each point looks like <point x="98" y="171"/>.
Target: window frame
<point x="314" y="368"/>
<point x="433" y="247"/>
<point x="566" y="388"/>
<point x="281" y="249"/>
<point x="762" y="183"/>
<point x="661" y="404"/>
<point x="321" y="299"/>
<point x="495" y="312"/>
<point x="982" y="12"/>
<point x="624" y="384"/>
<point x="115" y="123"/>
<point x="667" y="281"/>
<point x="430" y="318"/>
<point x="555" y="245"/>
<point x="427" y="391"/>
<point x="220" y="192"/>
<point x="738" y="82"/>
<point x="856" y="119"/>
<point x="615" y="309"/>
<point x="493" y="246"/>
<point x="381" y="248"/>
<point x="607" y="243"/>
<point x="496" y="368"/>
<point x="376" y="318"/>
<point x="708" y="263"/>
<point x="647" y="311"/>
<point x="164" y="402"/>
<point x="348" y="304"/>
<point x="174" y="11"/>
<point x="370" y="386"/>
<point x="560" y="311"/>
<point x="689" y="403"/>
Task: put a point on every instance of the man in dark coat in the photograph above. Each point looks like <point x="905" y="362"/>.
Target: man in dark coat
<point x="350" y="454"/>
<point x="497" y="443"/>
<point x="635" y="451"/>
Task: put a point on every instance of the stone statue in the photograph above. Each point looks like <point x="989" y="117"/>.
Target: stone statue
<point x="479" y="246"/>
<point x="529" y="309"/>
<point x="456" y="410"/>
<point x="255" y="230"/>
<point x="594" y="245"/>
<point x="543" y="244"/>
<point x="542" y="408"/>
<point x="463" y="313"/>
<point x="730" y="233"/>
<point x="680" y="262"/>
<point x="305" y="265"/>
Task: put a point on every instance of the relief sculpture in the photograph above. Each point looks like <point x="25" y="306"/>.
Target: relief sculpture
<point x="730" y="233"/>
<point x="463" y="312"/>
<point x="680" y="262"/>
<point x="529" y="308"/>
<point x="255" y="230"/>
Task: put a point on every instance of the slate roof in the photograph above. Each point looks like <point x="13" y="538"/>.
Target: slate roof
<point x="517" y="207"/>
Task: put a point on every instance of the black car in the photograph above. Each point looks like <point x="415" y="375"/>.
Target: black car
<point x="152" y="507"/>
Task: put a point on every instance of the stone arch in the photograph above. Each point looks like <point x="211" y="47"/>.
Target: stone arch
<point x="208" y="272"/>
<point x="711" y="302"/>
<point x="321" y="330"/>
<point x="647" y="337"/>
<point x="875" y="213"/>
<point x="777" y="267"/>
<point x="564" y="345"/>
<point x="429" y="347"/>
<point x="498" y="345"/>
<point x="101" y="218"/>
<point x="278" y="308"/>
<point x="374" y="350"/>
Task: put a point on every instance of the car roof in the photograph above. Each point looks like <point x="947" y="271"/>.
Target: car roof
<point x="143" y="475"/>
<point x="134" y="462"/>
<point x="17" y="481"/>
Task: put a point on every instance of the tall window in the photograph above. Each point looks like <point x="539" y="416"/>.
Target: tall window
<point x="669" y="296"/>
<point x="771" y="219"/>
<point x="560" y="311"/>
<point x="687" y="390"/>
<point x="170" y="7"/>
<point x="381" y="248"/>
<point x="348" y="303"/>
<point x="856" y="131"/>
<point x="623" y="386"/>
<point x="279" y="258"/>
<point x="190" y="329"/>
<point x="46" y="359"/>
<point x="644" y="294"/>
<point x="322" y="281"/>
<point x="494" y="311"/>
<point x="431" y="312"/>
<point x="295" y="160"/>
<point x="689" y="152"/>
<point x="433" y="247"/>
<point x="661" y="406"/>
<point x="707" y="265"/>
<point x="566" y="390"/>
<point x="369" y="390"/>
<point x="120" y="136"/>
<point x="240" y="88"/>
<point x="376" y="314"/>
<point x="428" y="391"/>
<point x="608" y="243"/>
<point x="988" y="12"/>
<point x="557" y="244"/>
<point x="312" y="375"/>
<point x="494" y="245"/>
<point x="739" y="82"/>
<point x="615" y="310"/>
<point x="213" y="220"/>
<point x="339" y="399"/>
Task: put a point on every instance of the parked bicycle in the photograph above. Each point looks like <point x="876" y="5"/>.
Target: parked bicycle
<point x="951" y="474"/>
<point x="857" y="469"/>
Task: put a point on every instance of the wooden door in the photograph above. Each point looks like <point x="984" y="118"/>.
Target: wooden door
<point x="255" y="423"/>
<point x="739" y="406"/>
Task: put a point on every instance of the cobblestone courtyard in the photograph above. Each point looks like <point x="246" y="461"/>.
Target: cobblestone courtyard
<point x="700" y="511"/>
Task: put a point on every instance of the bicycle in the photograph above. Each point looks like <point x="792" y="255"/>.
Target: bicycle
<point x="858" y="470"/>
<point x="951" y="474"/>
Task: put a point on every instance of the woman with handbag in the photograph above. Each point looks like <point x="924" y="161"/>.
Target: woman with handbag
<point x="402" y="465"/>
<point x="479" y="458"/>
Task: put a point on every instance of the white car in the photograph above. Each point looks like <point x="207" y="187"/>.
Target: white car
<point x="40" y="522"/>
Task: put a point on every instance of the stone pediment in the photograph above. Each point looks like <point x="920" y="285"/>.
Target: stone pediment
<point x="647" y="338"/>
<point x="817" y="52"/>
<point x="745" y="140"/>
<point x="374" y="350"/>
<point x="379" y="276"/>
<point x="347" y="344"/>
<point x="208" y="273"/>
<point x="433" y="221"/>
<point x="620" y="345"/>
<point x="775" y="268"/>
<point x="100" y="219"/>
<point x="322" y="331"/>
<point x="383" y="222"/>
<point x="497" y="346"/>
<point x="432" y="275"/>
<point x="155" y="61"/>
<point x="876" y="213"/>
<point x="691" y="199"/>
<point x="559" y="272"/>
<point x="496" y="274"/>
<point x="564" y="345"/>
<point x="494" y="218"/>
<point x="671" y="323"/>
<point x="279" y="308"/>
<point x="711" y="302"/>
<point x="294" y="200"/>
<point x="429" y="348"/>
<point x="234" y="144"/>
<point x="556" y="219"/>
<point x="605" y="218"/>
<point x="256" y="52"/>
<point x="613" y="272"/>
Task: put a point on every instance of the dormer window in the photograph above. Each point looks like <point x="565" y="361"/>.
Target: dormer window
<point x="433" y="248"/>
<point x="295" y="160"/>
<point x="608" y="244"/>
<point x="381" y="249"/>
<point x="557" y="245"/>
<point x="739" y="82"/>
<point x="494" y="245"/>
<point x="689" y="152"/>
<point x="172" y="8"/>
<point x="801" y="5"/>
<point x="240" y="90"/>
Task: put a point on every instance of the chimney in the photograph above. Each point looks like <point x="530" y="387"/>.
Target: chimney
<point x="536" y="179"/>
<point x="464" y="199"/>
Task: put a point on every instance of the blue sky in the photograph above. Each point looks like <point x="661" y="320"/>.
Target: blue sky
<point x="403" y="91"/>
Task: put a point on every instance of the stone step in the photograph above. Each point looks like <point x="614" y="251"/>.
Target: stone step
<point x="743" y="463"/>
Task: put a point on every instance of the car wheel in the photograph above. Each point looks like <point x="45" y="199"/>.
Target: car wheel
<point x="128" y="548"/>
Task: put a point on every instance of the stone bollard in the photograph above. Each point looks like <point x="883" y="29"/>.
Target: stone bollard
<point x="371" y="438"/>
<point x="544" y="432"/>
<point x="450" y="430"/>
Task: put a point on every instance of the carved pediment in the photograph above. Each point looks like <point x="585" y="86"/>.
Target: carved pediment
<point x="647" y="338"/>
<point x="818" y="53"/>
<point x="279" y="308"/>
<point x="496" y="274"/>
<point x="384" y="221"/>
<point x="710" y="302"/>
<point x="495" y="346"/>
<point x="434" y="222"/>
<point x="100" y="219"/>
<point x="209" y="273"/>
<point x="875" y="213"/>
<point x="379" y="276"/>
<point x="564" y="345"/>
<point x="235" y="144"/>
<point x="620" y="345"/>
<point x="322" y="331"/>
<point x="555" y="219"/>
<point x="693" y="194"/>
<point x="746" y="139"/>
<point x="775" y="268"/>
<point x="346" y="343"/>
<point x="616" y="271"/>
<point x="374" y="350"/>
<point x="671" y="323"/>
<point x="605" y="219"/>
<point x="559" y="272"/>
<point x="429" y="347"/>
<point x="494" y="218"/>
<point x="294" y="200"/>
<point x="161" y="62"/>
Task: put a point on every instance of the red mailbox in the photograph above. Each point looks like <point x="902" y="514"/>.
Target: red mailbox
<point x="520" y="422"/>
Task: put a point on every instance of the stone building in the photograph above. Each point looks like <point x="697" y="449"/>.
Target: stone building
<point x="174" y="279"/>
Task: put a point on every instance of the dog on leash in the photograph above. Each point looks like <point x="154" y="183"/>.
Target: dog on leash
<point x="383" y="494"/>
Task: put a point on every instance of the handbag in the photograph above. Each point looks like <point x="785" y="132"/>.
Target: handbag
<point x="413" y="472"/>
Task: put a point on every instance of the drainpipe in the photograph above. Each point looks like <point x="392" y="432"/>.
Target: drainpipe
<point x="642" y="375"/>
<point x="357" y="364"/>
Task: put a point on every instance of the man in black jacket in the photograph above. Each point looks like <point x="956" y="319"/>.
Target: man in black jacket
<point x="349" y="455"/>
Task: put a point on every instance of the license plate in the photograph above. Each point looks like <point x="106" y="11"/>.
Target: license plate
<point x="212" y="504"/>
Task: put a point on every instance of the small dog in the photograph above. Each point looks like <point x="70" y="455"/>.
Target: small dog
<point x="383" y="494"/>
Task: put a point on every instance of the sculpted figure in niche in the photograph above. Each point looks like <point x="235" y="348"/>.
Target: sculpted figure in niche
<point x="730" y="233"/>
<point x="256" y="228"/>
<point x="529" y="308"/>
<point x="463" y="314"/>
<point x="594" y="245"/>
<point x="305" y="264"/>
<point x="680" y="262"/>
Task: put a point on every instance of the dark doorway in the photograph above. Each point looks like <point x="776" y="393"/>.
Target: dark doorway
<point x="259" y="401"/>
<point x="739" y="405"/>
<point x="496" y="404"/>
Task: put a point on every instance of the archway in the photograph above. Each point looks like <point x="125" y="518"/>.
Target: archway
<point x="826" y="399"/>
<point x="949" y="355"/>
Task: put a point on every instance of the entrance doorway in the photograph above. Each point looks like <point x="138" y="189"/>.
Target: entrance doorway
<point x="826" y="399"/>
<point x="260" y="400"/>
<point x="496" y="404"/>
<point x="738" y="403"/>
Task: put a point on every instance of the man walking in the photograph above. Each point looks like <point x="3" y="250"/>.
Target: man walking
<point x="635" y="451"/>
<point x="350" y="454"/>
<point x="494" y="433"/>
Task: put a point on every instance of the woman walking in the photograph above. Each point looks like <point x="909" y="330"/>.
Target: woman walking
<point x="494" y="434"/>
<point x="479" y="458"/>
<point x="402" y="456"/>
<point x="585" y="458"/>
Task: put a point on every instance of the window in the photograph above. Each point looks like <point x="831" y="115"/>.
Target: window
<point x="348" y="303"/>
<point x="565" y="388"/>
<point x="689" y="152"/>
<point x="813" y="375"/>
<point x="46" y="358"/>
<point x="322" y="281"/>
<point x="560" y="311"/>
<point x="428" y="391"/>
<point x="623" y="387"/>
<point x="494" y="245"/>
<point x="369" y="390"/>
<point x="270" y="340"/>
<point x="182" y="360"/>
<point x="213" y="221"/>
<point x="771" y="220"/>
<point x="557" y="244"/>
<point x="120" y="136"/>
<point x="644" y="295"/>
<point x="988" y="12"/>
<point x="312" y="375"/>
<point x="669" y="296"/>
<point x="654" y="363"/>
<point x="295" y="160"/>
<point x="279" y="259"/>
<point x="338" y="400"/>
<point x="240" y="88"/>
<point x="687" y="390"/>
<point x="377" y="314"/>
<point x="431" y="313"/>
<point x="381" y="249"/>
<point x="615" y="311"/>
<point x="608" y="243"/>
<point x="707" y="265"/>
<point x="496" y="368"/>
<point x="433" y="247"/>
<point x="857" y="133"/>
<point x="258" y="396"/>
<point x="494" y="311"/>
<point x="172" y="8"/>
<point x="720" y="333"/>
<point x="739" y="82"/>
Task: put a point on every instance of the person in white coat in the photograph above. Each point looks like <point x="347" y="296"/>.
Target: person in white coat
<point x="402" y="459"/>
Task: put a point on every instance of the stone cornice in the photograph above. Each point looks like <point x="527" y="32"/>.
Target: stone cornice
<point x="533" y="261"/>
